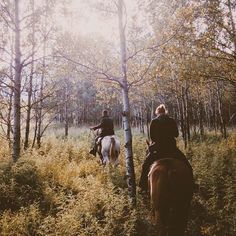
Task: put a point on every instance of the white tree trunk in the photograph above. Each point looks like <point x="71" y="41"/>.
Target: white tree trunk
<point x="30" y="90"/>
<point x="66" y="121"/>
<point x="41" y="96"/>
<point x="17" y="88"/>
<point x="126" y="109"/>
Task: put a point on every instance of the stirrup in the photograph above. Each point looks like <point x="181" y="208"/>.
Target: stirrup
<point x="93" y="152"/>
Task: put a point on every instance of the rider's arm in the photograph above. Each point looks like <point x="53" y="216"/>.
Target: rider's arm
<point x="97" y="127"/>
<point x="101" y="125"/>
<point x="174" y="128"/>
<point x="153" y="128"/>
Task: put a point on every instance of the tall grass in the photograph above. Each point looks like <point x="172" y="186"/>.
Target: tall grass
<point x="60" y="189"/>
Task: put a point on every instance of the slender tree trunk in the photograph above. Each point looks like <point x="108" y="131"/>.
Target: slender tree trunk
<point x="222" y="121"/>
<point x="186" y="101"/>
<point x="36" y="123"/>
<point x="152" y="110"/>
<point x="9" y="113"/>
<point x="28" y="113"/>
<point x="11" y="93"/>
<point x="213" y="111"/>
<point x="40" y="104"/>
<point x="148" y="117"/>
<point x="194" y="120"/>
<point x="17" y="88"/>
<point x="66" y="121"/>
<point x="200" y="115"/>
<point x="201" y="126"/>
<point x="126" y="108"/>
<point x="183" y="118"/>
<point x="141" y="124"/>
<point x="40" y="107"/>
<point x="207" y="112"/>
<point x="232" y="24"/>
<point x="35" y="130"/>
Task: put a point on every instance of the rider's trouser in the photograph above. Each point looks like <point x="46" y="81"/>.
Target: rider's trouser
<point x="95" y="145"/>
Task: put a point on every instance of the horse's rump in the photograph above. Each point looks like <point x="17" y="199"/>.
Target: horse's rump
<point x="172" y="180"/>
<point x="171" y="190"/>
<point x="110" y="149"/>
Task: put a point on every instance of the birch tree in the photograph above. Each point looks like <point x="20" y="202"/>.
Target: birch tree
<point x="126" y="105"/>
<point x="30" y="86"/>
<point x="17" y="86"/>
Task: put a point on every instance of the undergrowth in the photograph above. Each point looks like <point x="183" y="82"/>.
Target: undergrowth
<point x="60" y="189"/>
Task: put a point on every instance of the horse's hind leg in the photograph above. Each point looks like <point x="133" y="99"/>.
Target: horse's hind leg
<point x="101" y="158"/>
<point x="164" y="221"/>
<point x="105" y="159"/>
<point x="179" y="221"/>
<point x="160" y="219"/>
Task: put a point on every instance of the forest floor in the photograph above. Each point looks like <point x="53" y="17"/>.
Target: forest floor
<point x="60" y="189"/>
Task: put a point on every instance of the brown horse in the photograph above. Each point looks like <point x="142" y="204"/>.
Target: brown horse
<point x="171" y="191"/>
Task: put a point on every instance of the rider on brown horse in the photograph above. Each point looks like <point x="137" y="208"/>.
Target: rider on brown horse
<point x="107" y="128"/>
<point x="163" y="131"/>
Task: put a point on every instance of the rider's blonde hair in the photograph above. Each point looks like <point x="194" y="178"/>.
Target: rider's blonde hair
<point x="161" y="109"/>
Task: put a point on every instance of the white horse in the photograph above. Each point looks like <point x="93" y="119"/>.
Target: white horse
<point x="110" y="150"/>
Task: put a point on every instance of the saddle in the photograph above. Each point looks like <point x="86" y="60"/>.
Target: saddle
<point x="157" y="154"/>
<point x="162" y="148"/>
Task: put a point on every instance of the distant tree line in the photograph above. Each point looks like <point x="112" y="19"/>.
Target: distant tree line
<point x="187" y="61"/>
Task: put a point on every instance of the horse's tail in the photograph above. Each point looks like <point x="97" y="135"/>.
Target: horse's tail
<point x="171" y="192"/>
<point x="113" y="149"/>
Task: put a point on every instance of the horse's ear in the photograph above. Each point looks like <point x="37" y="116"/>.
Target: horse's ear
<point x="147" y="142"/>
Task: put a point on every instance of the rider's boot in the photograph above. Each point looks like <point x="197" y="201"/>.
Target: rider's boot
<point x="143" y="182"/>
<point x="94" y="150"/>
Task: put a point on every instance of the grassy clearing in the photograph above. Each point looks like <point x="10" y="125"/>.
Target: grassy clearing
<point x="60" y="189"/>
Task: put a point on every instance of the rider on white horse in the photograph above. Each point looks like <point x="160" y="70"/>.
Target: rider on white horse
<point x="107" y="128"/>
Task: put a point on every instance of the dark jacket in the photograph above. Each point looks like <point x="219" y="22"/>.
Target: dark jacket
<point x="163" y="131"/>
<point x="106" y="126"/>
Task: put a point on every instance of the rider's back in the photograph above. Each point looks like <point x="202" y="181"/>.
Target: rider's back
<point x="163" y="131"/>
<point x="107" y="127"/>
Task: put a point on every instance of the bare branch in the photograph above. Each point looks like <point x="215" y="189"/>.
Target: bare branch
<point x="94" y="70"/>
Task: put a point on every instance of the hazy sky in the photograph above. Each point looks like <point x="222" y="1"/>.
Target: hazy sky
<point x="84" y="19"/>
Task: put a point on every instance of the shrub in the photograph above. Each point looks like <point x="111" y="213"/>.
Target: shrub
<point x="26" y="221"/>
<point x="60" y="189"/>
<point x="20" y="185"/>
<point x="213" y="208"/>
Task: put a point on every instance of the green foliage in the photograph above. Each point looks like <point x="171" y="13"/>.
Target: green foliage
<point x="20" y="185"/>
<point x="26" y="221"/>
<point x="214" y="207"/>
<point x="61" y="190"/>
